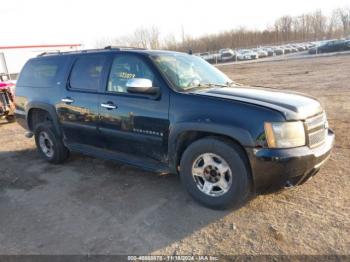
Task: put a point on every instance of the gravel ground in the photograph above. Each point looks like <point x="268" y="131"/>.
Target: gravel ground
<point x="92" y="206"/>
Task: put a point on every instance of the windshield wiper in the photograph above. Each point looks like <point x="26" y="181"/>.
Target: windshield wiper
<point x="230" y="84"/>
<point x="206" y="85"/>
<point x="214" y="84"/>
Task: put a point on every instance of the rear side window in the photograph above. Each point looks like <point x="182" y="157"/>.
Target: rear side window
<point x="87" y="72"/>
<point x="43" y="72"/>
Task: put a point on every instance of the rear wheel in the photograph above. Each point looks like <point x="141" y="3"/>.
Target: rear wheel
<point x="49" y="145"/>
<point x="215" y="173"/>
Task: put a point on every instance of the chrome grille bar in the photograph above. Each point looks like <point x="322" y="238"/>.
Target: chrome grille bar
<point x="316" y="128"/>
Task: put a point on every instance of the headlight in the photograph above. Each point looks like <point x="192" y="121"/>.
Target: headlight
<point x="285" y="134"/>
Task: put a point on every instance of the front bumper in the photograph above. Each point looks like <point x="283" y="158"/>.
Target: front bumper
<point x="273" y="169"/>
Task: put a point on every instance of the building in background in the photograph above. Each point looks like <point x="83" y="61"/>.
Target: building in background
<point x="12" y="58"/>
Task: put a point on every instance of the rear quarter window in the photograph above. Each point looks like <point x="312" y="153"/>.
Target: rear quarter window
<point x="44" y="72"/>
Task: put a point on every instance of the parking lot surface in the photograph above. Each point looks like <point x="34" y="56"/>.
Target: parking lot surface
<point x="92" y="206"/>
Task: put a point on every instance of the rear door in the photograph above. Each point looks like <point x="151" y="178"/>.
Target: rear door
<point x="134" y="124"/>
<point x="79" y="108"/>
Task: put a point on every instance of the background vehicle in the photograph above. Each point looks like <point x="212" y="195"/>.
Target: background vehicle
<point x="261" y="53"/>
<point x="205" y="55"/>
<point x="211" y="58"/>
<point x="331" y="46"/>
<point x="270" y="51"/>
<point x="278" y="51"/>
<point x="163" y="111"/>
<point x="300" y="47"/>
<point x="291" y="49"/>
<point x="286" y="49"/>
<point x="247" y="55"/>
<point x="227" y="55"/>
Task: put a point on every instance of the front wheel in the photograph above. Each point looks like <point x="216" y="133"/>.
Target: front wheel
<point x="215" y="172"/>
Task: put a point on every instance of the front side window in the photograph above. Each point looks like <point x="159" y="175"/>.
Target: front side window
<point x="187" y="71"/>
<point x="87" y="72"/>
<point x="125" y="67"/>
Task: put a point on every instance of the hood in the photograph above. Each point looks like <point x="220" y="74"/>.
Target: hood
<point x="292" y="105"/>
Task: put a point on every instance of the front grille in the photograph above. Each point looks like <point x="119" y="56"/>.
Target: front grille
<point x="317" y="137"/>
<point x="316" y="128"/>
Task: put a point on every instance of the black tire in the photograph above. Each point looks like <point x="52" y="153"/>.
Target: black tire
<point x="239" y="190"/>
<point x="59" y="153"/>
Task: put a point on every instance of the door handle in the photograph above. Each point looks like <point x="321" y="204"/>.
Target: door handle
<point x="109" y="106"/>
<point x="67" y="100"/>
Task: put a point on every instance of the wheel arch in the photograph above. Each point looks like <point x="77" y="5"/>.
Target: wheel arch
<point x="42" y="107"/>
<point x="181" y="136"/>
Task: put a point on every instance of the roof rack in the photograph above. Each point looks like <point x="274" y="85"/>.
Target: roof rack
<point x="119" y="48"/>
<point x="49" y="53"/>
<point x="110" y="47"/>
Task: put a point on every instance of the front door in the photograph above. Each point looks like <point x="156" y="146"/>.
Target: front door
<point x="134" y="124"/>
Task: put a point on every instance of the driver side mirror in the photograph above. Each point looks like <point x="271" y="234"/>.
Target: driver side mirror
<point x="141" y="86"/>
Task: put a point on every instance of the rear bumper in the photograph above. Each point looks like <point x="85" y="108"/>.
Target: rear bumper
<point x="21" y="118"/>
<point x="273" y="169"/>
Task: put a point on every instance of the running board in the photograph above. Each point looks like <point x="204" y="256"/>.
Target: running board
<point x="143" y="163"/>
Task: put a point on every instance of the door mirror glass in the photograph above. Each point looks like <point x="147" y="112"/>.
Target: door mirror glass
<point x="141" y="86"/>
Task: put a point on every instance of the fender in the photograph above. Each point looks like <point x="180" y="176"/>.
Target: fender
<point x="236" y="133"/>
<point x="48" y="108"/>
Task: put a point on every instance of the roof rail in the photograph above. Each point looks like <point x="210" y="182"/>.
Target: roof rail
<point x="49" y="53"/>
<point x="110" y="47"/>
<point x="119" y="48"/>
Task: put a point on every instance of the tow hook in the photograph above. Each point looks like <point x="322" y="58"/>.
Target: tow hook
<point x="28" y="134"/>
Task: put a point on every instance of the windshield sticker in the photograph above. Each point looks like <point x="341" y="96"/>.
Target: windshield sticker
<point x="126" y="75"/>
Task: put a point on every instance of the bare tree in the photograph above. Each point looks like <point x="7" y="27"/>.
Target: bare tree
<point x="153" y="35"/>
<point x="319" y="24"/>
<point x="333" y="25"/>
<point x="169" y="42"/>
<point x="344" y="17"/>
<point x="286" y="29"/>
<point x="284" y="25"/>
<point x="142" y="37"/>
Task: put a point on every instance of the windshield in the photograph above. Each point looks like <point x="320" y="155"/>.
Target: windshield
<point x="187" y="72"/>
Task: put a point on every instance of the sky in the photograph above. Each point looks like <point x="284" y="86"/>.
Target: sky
<point x="86" y="22"/>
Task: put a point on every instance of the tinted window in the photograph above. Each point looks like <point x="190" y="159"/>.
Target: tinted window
<point x="125" y="67"/>
<point x="87" y="72"/>
<point x="42" y="72"/>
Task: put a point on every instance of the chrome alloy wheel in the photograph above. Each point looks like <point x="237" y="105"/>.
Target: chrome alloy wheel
<point x="212" y="174"/>
<point x="46" y="144"/>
